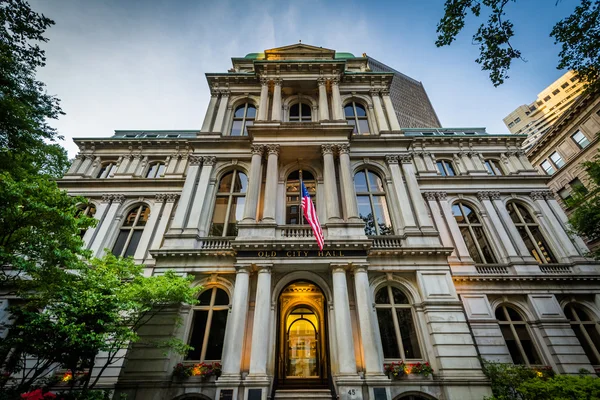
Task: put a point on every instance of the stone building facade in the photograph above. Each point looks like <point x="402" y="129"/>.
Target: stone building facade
<point x="440" y="246"/>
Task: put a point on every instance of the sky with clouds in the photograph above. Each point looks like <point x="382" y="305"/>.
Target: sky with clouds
<point x="140" y="64"/>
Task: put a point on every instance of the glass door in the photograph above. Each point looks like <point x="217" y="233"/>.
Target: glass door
<point x="302" y="343"/>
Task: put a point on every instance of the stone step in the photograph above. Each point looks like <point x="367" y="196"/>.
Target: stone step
<point x="294" y="394"/>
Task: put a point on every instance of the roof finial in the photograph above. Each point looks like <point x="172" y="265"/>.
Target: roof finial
<point x="299" y="40"/>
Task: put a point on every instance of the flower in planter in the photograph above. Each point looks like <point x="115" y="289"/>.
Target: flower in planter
<point x="395" y="369"/>
<point x="67" y="377"/>
<point x="421" y="369"/>
<point x="399" y="369"/>
<point x="202" y="370"/>
<point x="38" y="395"/>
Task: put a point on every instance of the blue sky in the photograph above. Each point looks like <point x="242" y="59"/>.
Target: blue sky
<point x="140" y="64"/>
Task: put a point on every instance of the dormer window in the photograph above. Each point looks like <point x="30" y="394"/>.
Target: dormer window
<point x="300" y="112"/>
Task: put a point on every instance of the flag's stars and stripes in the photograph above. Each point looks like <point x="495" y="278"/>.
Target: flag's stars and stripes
<point x="311" y="217"/>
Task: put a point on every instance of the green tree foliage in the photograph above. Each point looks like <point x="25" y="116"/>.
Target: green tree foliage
<point x="518" y="382"/>
<point x="26" y="138"/>
<point x="578" y="34"/>
<point x="94" y="308"/>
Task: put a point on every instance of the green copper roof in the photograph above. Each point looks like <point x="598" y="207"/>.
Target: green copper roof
<point x="344" y="55"/>
<point x="257" y="56"/>
<point x="254" y="56"/>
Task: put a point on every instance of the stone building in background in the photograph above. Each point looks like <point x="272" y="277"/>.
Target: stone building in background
<point x="441" y="245"/>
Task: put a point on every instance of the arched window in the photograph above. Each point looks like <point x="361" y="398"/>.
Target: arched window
<point x="372" y="204"/>
<point x="229" y="205"/>
<point x="89" y="210"/>
<point x="494" y="167"/>
<point x="356" y="115"/>
<point x="294" y="215"/>
<point x="396" y="325"/>
<point x="131" y="231"/>
<point x="472" y="232"/>
<point x="243" y="117"/>
<point x="586" y="329"/>
<point x="208" y="325"/>
<point x="107" y="170"/>
<point x="530" y="233"/>
<point x="517" y="337"/>
<point x="156" y="170"/>
<point x="446" y="167"/>
<point x="300" y="112"/>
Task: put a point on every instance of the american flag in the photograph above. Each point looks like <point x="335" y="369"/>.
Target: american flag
<point x="311" y="217"/>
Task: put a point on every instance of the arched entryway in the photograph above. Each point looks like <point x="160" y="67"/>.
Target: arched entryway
<point x="302" y="348"/>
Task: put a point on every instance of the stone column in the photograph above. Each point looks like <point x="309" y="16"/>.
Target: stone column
<point x="332" y="204"/>
<point x="389" y="108"/>
<point x="466" y="161"/>
<point x="477" y="160"/>
<point x="254" y="181"/>
<point x="75" y="164"/>
<point x="182" y="164"/>
<point x="99" y="241"/>
<point x="276" y="111"/>
<point x="141" y="167"/>
<point x="270" y="198"/>
<point x="336" y="100"/>
<point x="461" y="247"/>
<point x="366" y="318"/>
<point x="85" y="164"/>
<point x="236" y="325"/>
<point x="496" y="224"/>
<point x="193" y="221"/>
<point x="436" y="212"/>
<point x="186" y="195"/>
<point x="133" y="165"/>
<point x="323" y="106"/>
<point x="525" y="162"/>
<point x="408" y="218"/>
<point x="414" y="192"/>
<point x="510" y="227"/>
<point x="220" y="118"/>
<point x="510" y="168"/>
<point x="263" y="111"/>
<point x="210" y="111"/>
<point x="167" y="210"/>
<point x="343" y="322"/>
<point x="100" y="211"/>
<point x="123" y="163"/>
<point x="171" y="165"/>
<point x="562" y="217"/>
<point x="379" y="115"/>
<point x="155" y="212"/>
<point x="348" y="182"/>
<point x="262" y="324"/>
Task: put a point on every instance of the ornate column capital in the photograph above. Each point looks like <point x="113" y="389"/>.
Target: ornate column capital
<point x="214" y="92"/>
<point x="344" y="148"/>
<point x="118" y="198"/>
<point x="405" y="158"/>
<point x="374" y="92"/>
<point x="441" y="196"/>
<point x="359" y="268"/>
<point x="338" y="268"/>
<point x="106" y="198"/>
<point x="430" y="196"/>
<point x="224" y="92"/>
<point x="263" y="269"/>
<point x="264" y="81"/>
<point x="335" y="80"/>
<point x="483" y="195"/>
<point x="257" y="149"/>
<point x="160" y="197"/>
<point x="385" y="92"/>
<point x="272" y="149"/>
<point x="542" y="194"/>
<point x="172" y="197"/>
<point x="321" y="81"/>
<point x="242" y="269"/>
<point x="391" y="159"/>
<point x="210" y="160"/>
<point x="277" y="82"/>
<point x="327" y="148"/>
<point x="195" y="160"/>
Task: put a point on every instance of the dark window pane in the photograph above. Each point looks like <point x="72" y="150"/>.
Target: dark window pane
<point x="221" y="298"/>
<point x="121" y="239"/>
<point x="130" y="219"/>
<point x="198" y="329"/>
<point x="484" y="245"/>
<point x="349" y="110"/>
<point x="295" y="110"/>
<point x="360" y="182"/>
<point x="307" y="176"/>
<point x="216" y="336"/>
<point x="236" y="128"/>
<point x="133" y="243"/>
<point x="152" y="171"/>
<point x="220" y="210"/>
<point x="583" y="316"/>
<point x="527" y="345"/>
<point x="102" y="171"/>
<point x="525" y="214"/>
<point x="513" y="314"/>
<point x="541" y="242"/>
<point x="500" y="314"/>
<point x="470" y="214"/>
<point x="375" y="182"/>
<point x="241" y="183"/>
<point x="236" y="213"/>
<point x="144" y="215"/>
<point x="251" y="113"/>
<point x="382" y="215"/>
<point x="399" y="296"/>
<point x="592" y="331"/>
<point x="529" y="243"/>
<point x="360" y="111"/>
<point x="305" y="110"/>
<point x="225" y="184"/>
<point x="248" y="123"/>
<point x="205" y="297"/>
<point x="471" y="246"/>
<point x="239" y="111"/>
<point x="382" y="296"/>
<point x="511" y="343"/>
<point x="388" y="335"/>
<point x="410" y="342"/>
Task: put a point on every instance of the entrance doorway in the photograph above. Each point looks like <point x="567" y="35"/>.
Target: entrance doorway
<point x="302" y="352"/>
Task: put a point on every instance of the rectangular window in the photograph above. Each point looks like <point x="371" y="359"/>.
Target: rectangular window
<point x="581" y="140"/>
<point x="557" y="159"/>
<point x="577" y="185"/>
<point x="517" y="120"/>
<point x="546" y="98"/>
<point x="539" y="103"/>
<point x="532" y="107"/>
<point x="564" y="85"/>
<point x="548" y="168"/>
<point x="555" y="92"/>
<point x="511" y="124"/>
<point x="573" y="79"/>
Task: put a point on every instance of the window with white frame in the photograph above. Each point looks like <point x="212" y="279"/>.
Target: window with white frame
<point x="243" y="117"/>
<point x="356" y="115"/>
<point x="294" y="214"/>
<point x="581" y="140"/>
<point x="156" y="170"/>
<point x="229" y="204"/>
<point x="494" y="167"/>
<point x="131" y="231"/>
<point x="530" y="232"/>
<point x="209" y="321"/>
<point x="557" y="159"/>
<point x="517" y="337"/>
<point x="300" y="112"/>
<point x="548" y="167"/>
<point x="372" y="203"/>
<point x="107" y="170"/>
<point x="586" y="329"/>
<point x="473" y="233"/>
<point x="446" y="167"/>
<point x="397" y="326"/>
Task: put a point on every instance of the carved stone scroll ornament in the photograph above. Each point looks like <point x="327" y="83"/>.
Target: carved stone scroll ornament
<point x="273" y="149"/>
<point x="195" y="160"/>
<point x="327" y="148"/>
<point x="209" y="160"/>
<point x="405" y="158"/>
<point x="344" y="148"/>
<point x="391" y="159"/>
<point x="257" y="149"/>
<point x="441" y="196"/>
<point x="430" y="196"/>
<point x="172" y="197"/>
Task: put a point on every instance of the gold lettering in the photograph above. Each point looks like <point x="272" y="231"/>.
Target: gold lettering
<point x="320" y="254"/>
<point x="327" y="254"/>
<point x="340" y="253"/>
<point x="305" y="253"/>
<point x="287" y="254"/>
<point x="261" y="253"/>
<point x="273" y="254"/>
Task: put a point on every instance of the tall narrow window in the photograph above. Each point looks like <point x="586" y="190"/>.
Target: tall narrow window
<point x="131" y="231"/>
<point x="229" y="204"/>
<point x="300" y="112"/>
<point x="396" y="325"/>
<point x="587" y="331"/>
<point x="517" y="337"/>
<point x="243" y="117"/>
<point x="89" y="211"/>
<point x="156" y="170"/>
<point x="107" y="170"/>
<point x="208" y="325"/>
<point x="493" y="167"/>
<point x="530" y="233"/>
<point x="446" y="167"/>
<point x="372" y="204"/>
<point x="472" y="232"/>
<point x="356" y="115"/>
<point x="581" y="140"/>
<point x="294" y="215"/>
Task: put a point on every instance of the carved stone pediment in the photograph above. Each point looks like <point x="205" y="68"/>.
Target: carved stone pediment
<point x="299" y="51"/>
